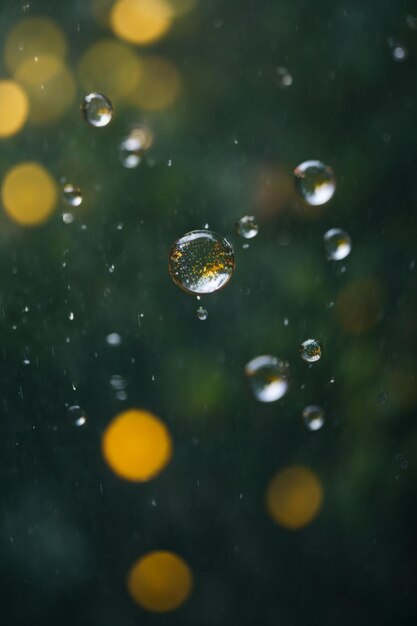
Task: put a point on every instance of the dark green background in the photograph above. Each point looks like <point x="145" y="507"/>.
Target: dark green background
<point x="69" y="528"/>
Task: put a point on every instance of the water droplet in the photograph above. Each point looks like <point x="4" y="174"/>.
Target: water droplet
<point x="310" y="350"/>
<point x="114" y="339"/>
<point x="131" y="150"/>
<point x="268" y="377"/>
<point x="332" y="380"/>
<point x="67" y="218"/>
<point x="286" y="321"/>
<point x="315" y="182"/>
<point x="26" y="361"/>
<point x="382" y="398"/>
<point x="76" y="415"/>
<point x="247" y="227"/>
<point x="399" y="52"/>
<point x="337" y="243"/>
<point x="72" y="195"/>
<point x="117" y="382"/>
<point x="201" y="262"/>
<point x="96" y="109"/>
<point x="71" y="316"/>
<point x="202" y="313"/>
<point x="285" y="79"/>
<point x="313" y="417"/>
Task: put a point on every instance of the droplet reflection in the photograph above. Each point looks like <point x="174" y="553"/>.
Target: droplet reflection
<point x="313" y="417"/>
<point x="315" y="182"/>
<point x="97" y="109"/>
<point x="337" y="243"/>
<point x="310" y="350"/>
<point x="268" y="377"/>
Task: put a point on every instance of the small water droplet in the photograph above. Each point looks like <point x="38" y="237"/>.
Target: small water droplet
<point x="332" y="380"/>
<point x="313" y="417"/>
<point x="131" y="149"/>
<point x="315" y="182"/>
<point x="76" y="415"/>
<point x="169" y="162"/>
<point x="71" y="316"/>
<point x="337" y="244"/>
<point x="118" y="382"/>
<point x="111" y="269"/>
<point x="284" y="78"/>
<point x="286" y="321"/>
<point x="97" y="109"/>
<point x="310" y="350"/>
<point x="201" y="262"/>
<point x="202" y="313"/>
<point x="268" y="377"/>
<point x="67" y="218"/>
<point x="72" y="195"/>
<point x="114" y="339"/>
<point x="26" y="361"/>
<point x="247" y="227"/>
<point x="399" y="52"/>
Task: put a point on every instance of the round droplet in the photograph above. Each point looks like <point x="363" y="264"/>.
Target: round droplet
<point x="399" y="52"/>
<point x="77" y="415"/>
<point x="247" y="227"/>
<point x="201" y="262"/>
<point x="313" y="417"/>
<point x="96" y="109"/>
<point x="315" y="182"/>
<point x="118" y="383"/>
<point x="72" y="195"/>
<point x="268" y="377"/>
<point x="202" y="313"/>
<point x="131" y="150"/>
<point x="285" y="79"/>
<point x="310" y="350"/>
<point x="337" y="243"/>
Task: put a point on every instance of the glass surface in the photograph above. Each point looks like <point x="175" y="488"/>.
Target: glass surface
<point x="144" y="479"/>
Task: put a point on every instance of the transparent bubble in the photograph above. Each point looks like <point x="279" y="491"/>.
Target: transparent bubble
<point x="285" y="79"/>
<point x="337" y="243"/>
<point x="247" y="227"/>
<point x="201" y="262"/>
<point x="313" y="417"/>
<point x="76" y="415"/>
<point x="268" y="377"/>
<point x="96" y="109"/>
<point x="315" y="182"/>
<point x="202" y="313"/>
<point x="310" y="350"/>
<point x="72" y="195"/>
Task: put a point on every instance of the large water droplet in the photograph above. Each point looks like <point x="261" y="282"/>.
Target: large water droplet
<point x="310" y="350"/>
<point x="337" y="243"/>
<point x="72" y="195"/>
<point x="97" y="109"/>
<point x="313" y="417"/>
<point x="202" y="313"/>
<point x="76" y="415"/>
<point x="201" y="262"/>
<point x="247" y="227"/>
<point x="268" y="377"/>
<point x="315" y="182"/>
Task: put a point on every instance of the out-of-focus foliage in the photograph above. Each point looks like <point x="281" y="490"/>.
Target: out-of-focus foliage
<point x="231" y="96"/>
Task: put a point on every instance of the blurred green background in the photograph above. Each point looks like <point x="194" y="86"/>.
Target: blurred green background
<point x="227" y="135"/>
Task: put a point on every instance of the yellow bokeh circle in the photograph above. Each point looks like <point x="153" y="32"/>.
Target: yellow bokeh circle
<point x="160" y="84"/>
<point x="29" y="194"/>
<point x="136" y="445"/>
<point x="294" y="497"/>
<point x="14" y="107"/>
<point x="110" y="67"/>
<point x="31" y="38"/>
<point x="141" y="21"/>
<point x="160" y="581"/>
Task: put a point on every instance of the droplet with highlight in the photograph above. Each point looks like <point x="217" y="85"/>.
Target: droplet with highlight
<point x="72" y="195"/>
<point x="313" y="417"/>
<point x="97" y="109"/>
<point x="337" y="243"/>
<point x="77" y="416"/>
<point x="315" y="182"/>
<point x="201" y="262"/>
<point x="202" y="313"/>
<point x="399" y="52"/>
<point x="268" y="377"/>
<point x="310" y="350"/>
<point x="284" y="77"/>
<point x="247" y="227"/>
<point x="131" y="150"/>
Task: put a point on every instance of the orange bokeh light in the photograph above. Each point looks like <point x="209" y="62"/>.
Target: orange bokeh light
<point x="14" y="107"/>
<point x="29" y="194"/>
<point x="141" y="21"/>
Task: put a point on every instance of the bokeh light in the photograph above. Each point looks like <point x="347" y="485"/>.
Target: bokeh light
<point x="294" y="497"/>
<point x="181" y="7"/>
<point x="160" y="581"/>
<point x="160" y="84"/>
<point x="32" y="38"/>
<point x="14" y="107"/>
<point x="359" y="305"/>
<point x="141" y="21"/>
<point x="29" y="194"/>
<point x="111" y="67"/>
<point x="50" y="87"/>
<point x="136" y="445"/>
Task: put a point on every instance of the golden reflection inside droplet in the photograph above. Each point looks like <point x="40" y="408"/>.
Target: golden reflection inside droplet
<point x="14" y="108"/>
<point x="141" y="21"/>
<point x="29" y="194"/>
<point x="160" y="85"/>
<point x="136" y="445"/>
<point x="110" y="66"/>
<point x="294" y="497"/>
<point x="160" y="581"/>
